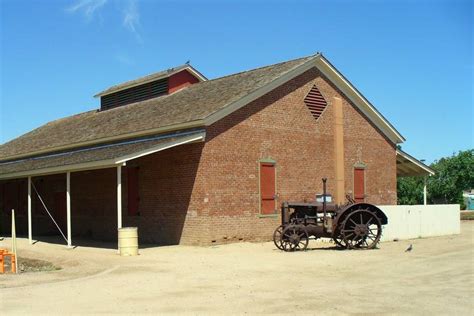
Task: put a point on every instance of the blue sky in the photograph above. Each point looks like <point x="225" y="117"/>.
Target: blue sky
<point x="412" y="59"/>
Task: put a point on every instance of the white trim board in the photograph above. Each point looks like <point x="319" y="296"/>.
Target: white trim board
<point x="152" y="150"/>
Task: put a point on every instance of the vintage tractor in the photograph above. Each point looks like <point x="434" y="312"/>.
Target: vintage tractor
<point x="351" y="226"/>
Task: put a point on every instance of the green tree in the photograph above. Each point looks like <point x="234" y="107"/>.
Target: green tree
<point x="452" y="176"/>
<point x="410" y="190"/>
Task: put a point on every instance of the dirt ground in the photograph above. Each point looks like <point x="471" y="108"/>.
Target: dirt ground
<point x="248" y="278"/>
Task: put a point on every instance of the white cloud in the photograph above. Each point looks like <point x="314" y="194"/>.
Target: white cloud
<point x="131" y="18"/>
<point x="130" y="13"/>
<point x="87" y="7"/>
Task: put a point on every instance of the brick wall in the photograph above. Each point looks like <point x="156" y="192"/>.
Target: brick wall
<point x="170" y="189"/>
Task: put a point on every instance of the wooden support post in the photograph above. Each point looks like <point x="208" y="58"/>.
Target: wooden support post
<point x="119" y="196"/>
<point x="30" y="232"/>
<point x="68" y="208"/>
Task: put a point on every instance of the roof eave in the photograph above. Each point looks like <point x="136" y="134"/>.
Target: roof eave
<point x="416" y="162"/>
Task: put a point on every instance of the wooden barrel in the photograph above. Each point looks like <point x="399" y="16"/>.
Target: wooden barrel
<point x="128" y="241"/>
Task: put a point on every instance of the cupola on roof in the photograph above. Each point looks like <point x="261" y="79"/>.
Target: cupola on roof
<point x="148" y="87"/>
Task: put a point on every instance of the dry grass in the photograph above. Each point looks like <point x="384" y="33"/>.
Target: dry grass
<point x="32" y="265"/>
<point x="467" y="215"/>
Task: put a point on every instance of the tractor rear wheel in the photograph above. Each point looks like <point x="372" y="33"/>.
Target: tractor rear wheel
<point x="339" y="239"/>
<point x="361" y="229"/>
<point x="294" y="238"/>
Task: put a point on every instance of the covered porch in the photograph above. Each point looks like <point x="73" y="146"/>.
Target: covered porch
<point x="82" y="192"/>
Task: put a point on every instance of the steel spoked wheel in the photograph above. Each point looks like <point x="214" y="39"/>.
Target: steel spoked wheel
<point x="361" y="229"/>
<point x="277" y="234"/>
<point x="339" y="239"/>
<point x="294" y="238"/>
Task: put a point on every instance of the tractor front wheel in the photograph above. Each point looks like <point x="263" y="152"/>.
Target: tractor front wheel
<point x="294" y="238"/>
<point x="277" y="234"/>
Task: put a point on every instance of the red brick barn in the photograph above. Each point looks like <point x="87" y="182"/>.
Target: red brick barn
<point x="194" y="161"/>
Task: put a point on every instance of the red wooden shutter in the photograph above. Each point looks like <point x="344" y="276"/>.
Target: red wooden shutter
<point x="133" y="196"/>
<point x="359" y="185"/>
<point x="267" y="188"/>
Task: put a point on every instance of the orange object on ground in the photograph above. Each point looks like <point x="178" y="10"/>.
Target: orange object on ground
<point x="4" y="253"/>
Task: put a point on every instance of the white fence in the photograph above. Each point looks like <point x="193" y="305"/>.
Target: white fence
<point x="415" y="221"/>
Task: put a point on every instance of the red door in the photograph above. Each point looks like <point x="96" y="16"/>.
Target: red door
<point x="267" y="188"/>
<point x="60" y="210"/>
<point x="359" y="185"/>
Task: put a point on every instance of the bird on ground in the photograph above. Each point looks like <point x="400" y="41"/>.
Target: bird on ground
<point x="409" y="248"/>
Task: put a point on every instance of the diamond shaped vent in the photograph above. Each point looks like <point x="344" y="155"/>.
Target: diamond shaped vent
<point x="315" y="102"/>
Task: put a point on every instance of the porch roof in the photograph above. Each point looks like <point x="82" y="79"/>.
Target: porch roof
<point x="104" y="156"/>
<point x="409" y="166"/>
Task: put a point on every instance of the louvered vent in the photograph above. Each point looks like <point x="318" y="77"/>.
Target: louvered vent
<point x="139" y="93"/>
<point x="315" y="102"/>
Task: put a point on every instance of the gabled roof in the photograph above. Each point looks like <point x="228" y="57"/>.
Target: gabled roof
<point x="198" y="105"/>
<point x="152" y="77"/>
